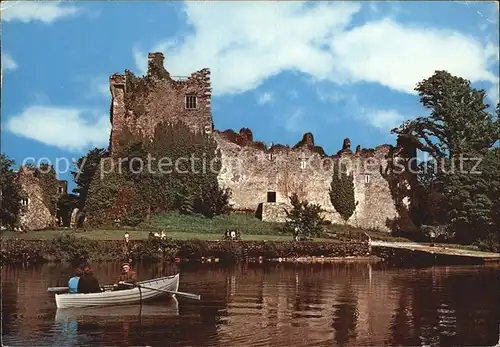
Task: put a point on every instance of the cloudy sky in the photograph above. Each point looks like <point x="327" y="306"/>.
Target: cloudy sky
<point x="340" y="69"/>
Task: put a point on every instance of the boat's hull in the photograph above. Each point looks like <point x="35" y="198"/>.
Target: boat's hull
<point x="165" y="309"/>
<point x="120" y="297"/>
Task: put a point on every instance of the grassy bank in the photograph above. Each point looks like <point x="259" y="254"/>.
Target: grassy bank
<point x="135" y="235"/>
<point x="75" y="249"/>
<point x="183" y="227"/>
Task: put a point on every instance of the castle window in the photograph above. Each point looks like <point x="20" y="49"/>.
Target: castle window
<point x="61" y="190"/>
<point x="208" y="129"/>
<point x="271" y="196"/>
<point x="24" y="202"/>
<point x="367" y="178"/>
<point x="270" y="156"/>
<point x="191" y="102"/>
<point x="303" y="161"/>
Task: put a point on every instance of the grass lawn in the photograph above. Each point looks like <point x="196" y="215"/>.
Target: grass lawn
<point x="184" y="227"/>
<point x="102" y="234"/>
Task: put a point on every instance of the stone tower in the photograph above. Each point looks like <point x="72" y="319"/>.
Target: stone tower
<point x="140" y="103"/>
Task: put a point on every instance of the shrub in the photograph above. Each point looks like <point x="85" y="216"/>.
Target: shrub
<point x="304" y="219"/>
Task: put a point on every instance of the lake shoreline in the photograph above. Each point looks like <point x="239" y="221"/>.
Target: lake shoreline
<point x="68" y="249"/>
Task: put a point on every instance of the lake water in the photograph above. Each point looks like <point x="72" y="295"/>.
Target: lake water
<point x="355" y="304"/>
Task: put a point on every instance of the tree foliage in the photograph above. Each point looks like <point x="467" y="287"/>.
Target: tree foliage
<point x="459" y="132"/>
<point x="176" y="169"/>
<point x="459" y="121"/>
<point x="470" y="199"/>
<point x="342" y="191"/>
<point x="85" y="168"/>
<point x="11" y="193"/>
<point x="304" y="219"/>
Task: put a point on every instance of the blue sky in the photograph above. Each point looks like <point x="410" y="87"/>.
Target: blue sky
<point x="341" y="69"/>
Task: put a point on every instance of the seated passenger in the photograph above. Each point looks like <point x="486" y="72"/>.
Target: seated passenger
<point x="73" y="281"/>
<point x="88" y="283"/>
<point x="127" y="276"/>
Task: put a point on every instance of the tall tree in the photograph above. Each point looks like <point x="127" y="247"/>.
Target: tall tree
<point x="342" y="191"/>
<point x="10" y="193"/>
<point x="459" y="121"/>
<point x="85" y="168"/>
<point x="457" y="134"/>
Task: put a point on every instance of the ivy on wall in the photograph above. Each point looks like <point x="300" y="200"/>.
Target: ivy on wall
<point x="176" y="169"/>
<point x="50" y="185"/>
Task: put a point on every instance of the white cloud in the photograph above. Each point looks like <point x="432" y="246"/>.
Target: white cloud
<point x="27" y="11"/>
<point x="383" y="119"/>
<point x="293" y="123"/>
<point x="244" y="43"/>
<point x="66" y="128"/>
<point x="293" y="94"/>
<point x="331" y="96"/>
<point x="99" y="87"/>
<point x="400" y="56"/>
<point x="493" y="94"/>
<point x="103" y="89"/>
<point x="7" y="62"/>
<point x="265" y="98"/>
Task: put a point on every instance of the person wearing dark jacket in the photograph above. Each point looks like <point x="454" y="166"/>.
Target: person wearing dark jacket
<point x="88" y="283"/>
<point x="128" y="276"/>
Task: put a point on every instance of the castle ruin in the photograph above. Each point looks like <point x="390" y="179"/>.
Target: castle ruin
<point x="34" y="213"/>
<point x="261" y="177"/>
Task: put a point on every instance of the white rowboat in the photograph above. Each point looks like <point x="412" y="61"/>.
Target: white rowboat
<point x="147" y="290"/>
<point x="163" y="310"/>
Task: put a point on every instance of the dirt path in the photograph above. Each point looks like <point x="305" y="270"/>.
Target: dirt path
<point x="442" y="249"/>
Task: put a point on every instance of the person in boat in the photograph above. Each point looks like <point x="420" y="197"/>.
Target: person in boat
<point x="73" y="281"/>
<point x="88" y="283"/>
<point x="128" y="276"/>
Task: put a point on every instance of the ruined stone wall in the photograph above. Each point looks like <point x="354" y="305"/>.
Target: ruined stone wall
<point x="249" y="168"/>
<point x="34" y="214"/>
<point x="141" y="103"/>
<point x="251" y="172"/>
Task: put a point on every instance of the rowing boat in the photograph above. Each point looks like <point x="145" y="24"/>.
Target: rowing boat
<point x="146" y="290"/>
<point x="163" y="309"/>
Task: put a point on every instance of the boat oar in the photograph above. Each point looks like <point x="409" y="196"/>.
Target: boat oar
<point x="186" y="295"/>
<point x="57" y="289"/>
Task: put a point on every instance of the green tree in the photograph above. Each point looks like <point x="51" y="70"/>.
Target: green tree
<point x="304" y="219"/>
<point x="213" y="201"/>
<point x="471" y="198"/>
<point x="342" y="191"/>
<point x="459" y="121"/>
<point x="458" y="132"/>
<point x="85" y="169"/>
<point x="10" y="193"/>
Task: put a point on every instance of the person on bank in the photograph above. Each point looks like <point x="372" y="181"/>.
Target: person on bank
<point x="128" y="276"/>
<point x="88" y="283"/>
<point x="73" y="281"/>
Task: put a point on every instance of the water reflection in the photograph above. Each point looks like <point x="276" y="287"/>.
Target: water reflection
<point x="275" y="304"/>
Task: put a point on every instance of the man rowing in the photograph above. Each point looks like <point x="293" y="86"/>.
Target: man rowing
<point x="127" y="279"/>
